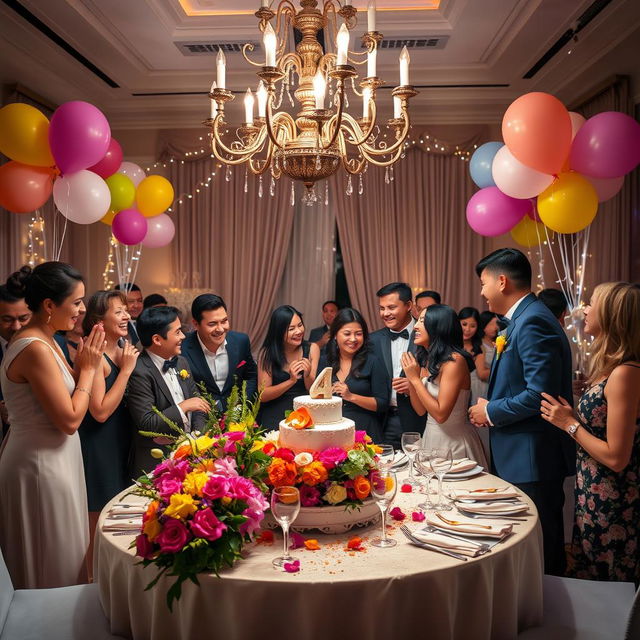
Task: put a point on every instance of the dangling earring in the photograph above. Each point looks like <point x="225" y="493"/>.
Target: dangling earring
<point x="48" y="318"/>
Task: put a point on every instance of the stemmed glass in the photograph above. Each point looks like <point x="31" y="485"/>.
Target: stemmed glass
<point x="385" y="457"/>
<point x="422" y="461"/>
<point x="383" y="490"/>
<point x="410" y="445"/>
<point x="285" y="506"/>
<point x="440" y="461"/>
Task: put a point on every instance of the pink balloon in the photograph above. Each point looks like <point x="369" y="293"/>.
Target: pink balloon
<point x="133" y="172"/>
<point x="607" y="146"/>
<point x="515" y="179"/>
<point x="160" y="231"/>
<point x="82" y="197"/>
<point x="606" y="188"/>
<point x="129" y="226"/>
<point x="79" y="136"/>
<point x="576" y="123"/>
<point x="111" y="161"/>
<point x="492" y="213"/>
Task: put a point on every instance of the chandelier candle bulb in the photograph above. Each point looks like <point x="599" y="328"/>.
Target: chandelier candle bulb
<point x="319" y="89"/>
<point x="262" y="100"/>
<point x="397" y="107"/>
<point x="343" y="45"/>
<point x="404" y="67"/>
<point x="371" y="63"/>
<point x="371" y="17"/>
<point x="366" y="96"/>
<point x="270" y="42"/>
<point x="264" y="3"/>
<point x="214" y="105"/>
<point x="248" y="106"/>
<point x="221" y="66"/>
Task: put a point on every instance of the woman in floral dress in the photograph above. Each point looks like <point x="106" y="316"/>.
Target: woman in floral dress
<point x="606" y="532"/>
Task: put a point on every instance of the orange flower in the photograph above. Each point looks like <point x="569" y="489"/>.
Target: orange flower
<point x="312" y="544"/>
<point x="206" y="465"/>
<point x="355" y="544"/>
<point x="314" y="473"/>
<point x="151" y="510"/>
<point x="362" y="487"/>
<point x="282" y="473"/>
<point x="182" y="451"/>
<point x="300" y="419"/>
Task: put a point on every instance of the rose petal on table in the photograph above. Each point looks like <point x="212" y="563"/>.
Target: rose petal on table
<point x="406" y="488"/>
<point x="397" y="514"/>
<point x="417" y="516"/>
<point x="355" y="544"/>
<point x="265" y="537"/>
<point x="292" y="567"/>
<point x="312" y="544"/>
<point x="297" y="540"/>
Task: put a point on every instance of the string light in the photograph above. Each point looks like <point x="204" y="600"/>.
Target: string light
<point x="36" y="250"/>
<point x="109" y="268"/>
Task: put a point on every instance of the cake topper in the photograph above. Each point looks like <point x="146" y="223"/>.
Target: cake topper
<point x="321" y="387"/>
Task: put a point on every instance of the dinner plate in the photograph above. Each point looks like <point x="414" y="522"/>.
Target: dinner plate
<point x="507" y="511"/>
<point x="463" y="475"/>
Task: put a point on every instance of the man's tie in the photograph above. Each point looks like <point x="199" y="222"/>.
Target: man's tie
<point x="503" y="323"/>
<point x="172" y="363"/>
<point x="401" y="334"/>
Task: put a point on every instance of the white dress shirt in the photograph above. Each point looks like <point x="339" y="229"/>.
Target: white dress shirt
<point x="398" y="347"/>
<point x="218" y="362"/>
<point x="171" y="378"/>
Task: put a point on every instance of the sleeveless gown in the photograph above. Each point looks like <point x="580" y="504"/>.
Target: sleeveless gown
<point x="456" y="432"/>
<point x="44" y="528"/>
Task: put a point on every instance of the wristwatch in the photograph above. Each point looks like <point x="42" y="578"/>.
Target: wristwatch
<point x="572" y="428"/>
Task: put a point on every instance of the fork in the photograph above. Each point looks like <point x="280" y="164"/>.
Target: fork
<point x="483" y="547"/>
<point x="424" y="545"/>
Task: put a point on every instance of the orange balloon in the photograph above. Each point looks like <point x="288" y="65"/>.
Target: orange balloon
<point x="537" y="129"/>
<point x="24" y="188"/>
<point x="109" y="216"/>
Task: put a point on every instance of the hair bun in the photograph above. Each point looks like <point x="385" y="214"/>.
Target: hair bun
<point x="17" y="281"/>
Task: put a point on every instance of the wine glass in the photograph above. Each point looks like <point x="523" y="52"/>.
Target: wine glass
<point x="383" y="490"/>
<point x="410" y="445"/>
<point x="440" y="461"/>
<point x="385" y="457"/>
<point x="285" y="506"/>
<point x="422" y="461"/>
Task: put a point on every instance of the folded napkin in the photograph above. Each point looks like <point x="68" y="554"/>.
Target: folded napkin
<point x="399" y="460"/>
<point x="129" y="524"/>
<point x="468" y="525"/>
<point x="133" y="510"/>
<point x="485" y="493"/>
<point x="445" y="542"/>
<point x="463" y="464"/>
<point x="496" y="507"/>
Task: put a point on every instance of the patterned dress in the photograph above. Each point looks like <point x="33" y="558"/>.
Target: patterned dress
<point x="606" y="531"/>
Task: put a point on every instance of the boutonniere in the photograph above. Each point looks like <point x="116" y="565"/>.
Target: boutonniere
<point x="184" y="374"/>
<point x="241" y="364"/>
<point x="501" y="343"/>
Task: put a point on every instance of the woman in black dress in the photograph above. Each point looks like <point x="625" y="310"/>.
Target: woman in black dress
<point x="358" y="376"/>
<point x="287" y="365"/>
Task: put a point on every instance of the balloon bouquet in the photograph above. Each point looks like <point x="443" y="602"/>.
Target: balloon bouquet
<point x="75" y="158"/>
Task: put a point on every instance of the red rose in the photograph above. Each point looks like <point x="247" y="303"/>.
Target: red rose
<point x="285" y="454"/>
<point x="144" y="548"/>
<point x="173" y="537"/>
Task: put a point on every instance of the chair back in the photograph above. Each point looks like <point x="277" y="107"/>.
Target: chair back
<point x="6" y="592"/>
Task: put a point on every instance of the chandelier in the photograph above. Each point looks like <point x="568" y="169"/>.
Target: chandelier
<point x="313" y="145"/>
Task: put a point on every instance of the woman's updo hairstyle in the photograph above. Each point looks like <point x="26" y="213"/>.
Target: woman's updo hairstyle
<point x="53" y="280"/>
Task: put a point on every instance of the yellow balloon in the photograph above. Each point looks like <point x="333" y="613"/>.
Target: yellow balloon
<point x="153" y="196"/>
<point x="24" y="135"/>
<point x="529" y="233"/>
<point x="108" y="217"/>
<point x="569" y="205"/>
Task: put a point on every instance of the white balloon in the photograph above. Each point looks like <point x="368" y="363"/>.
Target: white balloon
<point x="82" y="197"/>
<point x="576" y="122"/>
<point x="516" y="179"/>
<point x="135" y="173"/>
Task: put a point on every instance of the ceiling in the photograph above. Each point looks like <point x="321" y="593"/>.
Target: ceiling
<point x="123" y="55"/>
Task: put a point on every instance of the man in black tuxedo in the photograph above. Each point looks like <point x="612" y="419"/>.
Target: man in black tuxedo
<point x="161" y="379"/>
<point x="320" y="335"/>
<point x="395" y="304"/>
<point x="14" y="314"/>
<point x="217" y="356"/>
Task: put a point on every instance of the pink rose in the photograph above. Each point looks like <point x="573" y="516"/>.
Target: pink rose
<point x="144" y="548"/>
<point x="173" y="468"/>
<point x="397" y="514"/>
<point x="167" y="485"/>
<point x="253" y="522"/>
<point x="285" y="454"/>
<point x="206" y="525"/>
<point x="240" y="488"/>
<point x="296" y="540"/>
<point x="361" y="436"/>
<point x="235" y="436"/>
<point x="332" y="457"/>
<point x="173" y="537"/>
<point x="216" y="487"/>
<point x="309" y="496"/>
<point x="226" y="466"/>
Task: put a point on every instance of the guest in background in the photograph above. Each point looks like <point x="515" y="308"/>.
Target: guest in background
<point x="489" y="332"/>
<point x="606" y="533"/>
<point x="44" y="531"/>
<point x="287" y="365"/>
<point x="472" y="338"/>
<point x="161" y="379"/>
<point x="320" y="335"/>
<point x="68" y="341"/>
<point x="14" y="314"/>
<point x="440" y="380"/>
<point x="105" y="432"/>
<point x="395" y="306"/>
<point x="359" y="378"/>
<point x="425" y="299"/>
<point x="217" y="356"/>
<point x="134" y="306"/>
<point x="154" y="300"/>
<point x="556" y="302"/>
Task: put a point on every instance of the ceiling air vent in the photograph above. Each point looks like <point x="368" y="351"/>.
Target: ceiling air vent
<point x="415" y="42"/>
<point x="211" y="48"/>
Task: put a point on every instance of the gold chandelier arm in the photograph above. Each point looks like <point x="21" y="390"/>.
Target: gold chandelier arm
<point x="226" y="160"/>
<point x="331" y="16"/>
<point x="249" y="47"/>
<point x="290" y="59"/>
<point x="288" y="125"/>
<point x="350" y="124"/>
<point x="336" y="120"/>
<point x="396" y="145"/>
<point x="358" y="163"/>
<point x="246" y="151"/>
<point x="382" y="163"/>
<point x="286" y="12"/>
<point x="256" y="170"/>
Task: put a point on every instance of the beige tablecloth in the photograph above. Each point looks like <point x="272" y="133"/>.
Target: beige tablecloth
<point x="399" y="592"/>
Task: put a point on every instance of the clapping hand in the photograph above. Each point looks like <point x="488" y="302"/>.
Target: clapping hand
<point x="558" y="412"/>
<point x="410" y="366"/>
<point x="342" y="390"/>
<point x="297" y="367"/>
<point x="91" y="349"/>
<point x="129" y="358"/>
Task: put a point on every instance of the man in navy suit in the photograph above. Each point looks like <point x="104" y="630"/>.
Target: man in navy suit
<point x="395" y="305"/>
<point x="217" y="356"/>
<point x="525" y="450"/>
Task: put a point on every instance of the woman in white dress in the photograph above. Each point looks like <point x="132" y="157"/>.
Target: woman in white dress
<point x="44" y="531"/>
<point x="440" y="384"/>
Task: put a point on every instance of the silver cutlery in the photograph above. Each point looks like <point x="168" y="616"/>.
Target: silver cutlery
<point x="483" y="547"/>
<point x="122" y="532"/>
<point x="424" y="545"/>
<point x="514" y="521"/>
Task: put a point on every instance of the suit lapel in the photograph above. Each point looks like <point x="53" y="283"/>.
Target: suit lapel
<point x="202" y="365"/>
<point x="233" y="356"/>
<point x="162" y="385"/>
<point x="386" y="351"/>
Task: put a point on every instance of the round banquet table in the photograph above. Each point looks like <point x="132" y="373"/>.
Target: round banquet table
<point x="398" y="592"/>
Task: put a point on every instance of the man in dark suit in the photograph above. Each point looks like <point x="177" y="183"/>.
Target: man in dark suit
<point x="217" y="356"/>
<point x="134" y="307"/>
<point x="535" y="357"/>
<point x="161" y="379"/>
<point x="320" y="335"/>
<point x="395" y="304"/>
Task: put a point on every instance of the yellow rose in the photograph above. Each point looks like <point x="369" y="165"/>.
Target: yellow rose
<point x="202" y="444"/>
<point x="501" y="343"/>
<point x="258" y="445"/>
<point x="237" y="426"/>
<point x="152" y="528"/>
<point x="335" y="493"/>
<point x="194" y="481"/>
<point x="181" y="506"/>
<point x="184" y="374"/>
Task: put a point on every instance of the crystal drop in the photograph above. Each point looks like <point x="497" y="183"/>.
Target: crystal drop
<point x="227" y="174"/>
<point x="391" y="173"/>
<point x="360" y="185"/>
<point x="346" y="100"/>
<point x="272" y="187"/>
<point x="349" y="190"/>
<point x="326" y="193"/>
<point x="386" y="176"/>
<point x="246" y="180"/>
<point x="318" y="163"/>
<point x="260" y="187"/>
<point x="293" y="195"/>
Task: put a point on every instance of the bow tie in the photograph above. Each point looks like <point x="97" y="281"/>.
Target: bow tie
<point x="503" y="322"/>
<point x="401" y="334"/>
<point x="172" y="363"/>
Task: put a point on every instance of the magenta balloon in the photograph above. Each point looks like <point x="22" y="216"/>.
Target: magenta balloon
<point x="160" y="231"/>
<point x="79" y="136"/>
<point x="129" y="226"/>
<point x="492" y="213"/>
<point x="533" y="212"/>
<point x="606" y="188"/>
<point x="111" y="161"/>
<point x="133" y="172"/>
<point x="606" y="146"/>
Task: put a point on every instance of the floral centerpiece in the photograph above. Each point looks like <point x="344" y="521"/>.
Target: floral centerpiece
<point x="207" y="495"/>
